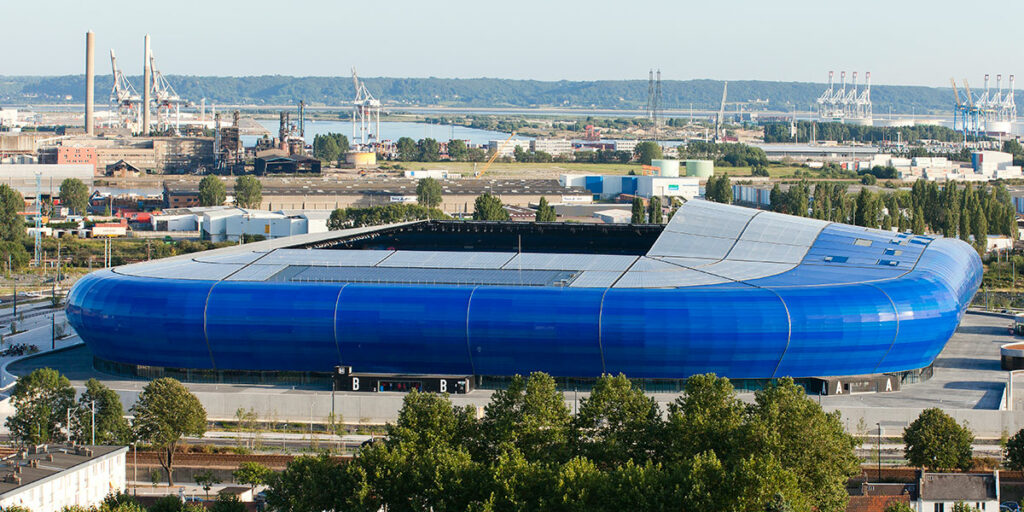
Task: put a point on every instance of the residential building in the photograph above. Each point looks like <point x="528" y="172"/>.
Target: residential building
<point x="626" y="145"/>
<point x="938" y="492"/>
<point x="507" y="148"/>
<point x="48" y="478"/>
<point x="553" y="147"/>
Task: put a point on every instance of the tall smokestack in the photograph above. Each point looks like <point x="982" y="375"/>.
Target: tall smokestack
<point x="147" y="79"/>
<point x="90" y="78"/>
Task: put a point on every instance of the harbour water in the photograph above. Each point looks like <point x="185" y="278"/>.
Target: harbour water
<point x="390" y="130"/>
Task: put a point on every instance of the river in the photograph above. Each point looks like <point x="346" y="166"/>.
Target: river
<point x="390" y="130"/>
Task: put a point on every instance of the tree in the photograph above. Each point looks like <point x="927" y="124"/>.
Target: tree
<point x="13" y="252"/>
<point x="898" y="506"/>
<point x="617" y="422"/>
<point x="1014" y="452"/>
<point x="165" y="412"/>
<point x="315" y="483"/>
<point x="654" y="211"/>
<point x="529" y="415"/>
<point x="212" y="191"/>
<point x="545" y="212"/>
<point x="75" y="195"/>
<point x="708" y="418"/>
<point x="330" y="147"/>
<point x="647" y="151"/>
<point x="429" y="150"/>
<point x="40" y="401"/>
<point x="248" y="192"/>
<point x="719" y="189"/>
<point x="252" y="474"/>
<point x="788" y="429"/>
<point x="868" y="179"/>
<point x="457" y="149"/>
<point x="489" y="207"/>
<point x="12" y="225"/>
<point x="917" y="223"/>
<point x="206" y="480"/>
<point x="227" y="503"/>
<point x="111" y="426"/>
<point x="428" y="193"/>
<point x="639" y="215"/>
<point x="935" y="441"/>
<point x="406" y="149"/>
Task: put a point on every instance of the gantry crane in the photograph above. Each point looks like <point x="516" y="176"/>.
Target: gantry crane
<point x="124" y="99"/>
<point x="167" y="99"/>
<point x="366" y="112"/>
<point x="720" y="120"/>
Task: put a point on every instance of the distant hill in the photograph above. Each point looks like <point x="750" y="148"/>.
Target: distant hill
<point x="479" y="92"/>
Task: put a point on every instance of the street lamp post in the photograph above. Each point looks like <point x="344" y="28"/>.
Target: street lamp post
<point x="879" y="424"/>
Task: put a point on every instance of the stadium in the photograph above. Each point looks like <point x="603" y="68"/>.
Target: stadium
<point x="744" y="293"/>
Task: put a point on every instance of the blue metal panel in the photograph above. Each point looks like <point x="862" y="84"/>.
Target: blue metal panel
<point x="594" y="184"/>
<point x="847" y="316"/>
<point x="404" y="329"/>
<point x="515" y="330"/>
<point x="629" y="185"/>
<point x="287" y="326"/>
<point x="836" y="330"/>
<point x="734" y="331"/>
<point x="147" y="321"/>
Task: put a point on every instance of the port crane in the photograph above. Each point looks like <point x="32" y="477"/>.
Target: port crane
<point x="366" y="112"/>
<point x="497" y="151"/>
<point x="720" y="120"/>
<point x="124" y="99"/>
<point x="167" y="100"/>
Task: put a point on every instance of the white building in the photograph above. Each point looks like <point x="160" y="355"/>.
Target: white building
<point x="9" y="117"/>
<point x="609" y="186"/>
<point x="553" y="147"/>
<point x="656" y="186"/>
<point x="50" y="477"/>
<point x="938" y="492"/>
<point x="626" y="145"/>
<point x="995" y="165"/>
<point x="507" y="148"/>
<point x="437" y="174"/>
<point x="614" y="216"/>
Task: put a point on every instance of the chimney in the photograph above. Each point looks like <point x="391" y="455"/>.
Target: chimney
<point x="90" y="78"/>
<point x="147" y="80"/>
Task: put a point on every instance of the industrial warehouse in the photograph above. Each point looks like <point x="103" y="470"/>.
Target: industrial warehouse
<point x="744" y="293"/>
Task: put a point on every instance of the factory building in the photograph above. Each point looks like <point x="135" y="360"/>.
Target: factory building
<point x="817" y="152"/>
<point x="162" y="154"/>
<point x="22" y="177"/>
<point x="608" y="186"/>
<point x="744" y="293"/>
<point x="457" y="197"/>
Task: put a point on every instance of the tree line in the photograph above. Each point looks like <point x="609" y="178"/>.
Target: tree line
<point x="843" y="132"/>
<point x="482" y="92"/>
<point x="968" y="212"/>
<point x="619" y="451"/>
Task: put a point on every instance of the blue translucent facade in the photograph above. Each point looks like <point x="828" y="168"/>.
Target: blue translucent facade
<point x="856" y="313"/>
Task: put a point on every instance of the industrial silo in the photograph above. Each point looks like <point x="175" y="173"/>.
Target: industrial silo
<point x="668" y="168"/>
<point x="700" y="168"/>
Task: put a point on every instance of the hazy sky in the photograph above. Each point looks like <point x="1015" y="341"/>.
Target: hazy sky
<point x="921" y="42"/>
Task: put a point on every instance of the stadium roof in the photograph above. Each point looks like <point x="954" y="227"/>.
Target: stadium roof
<point x="705" y="243"/>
